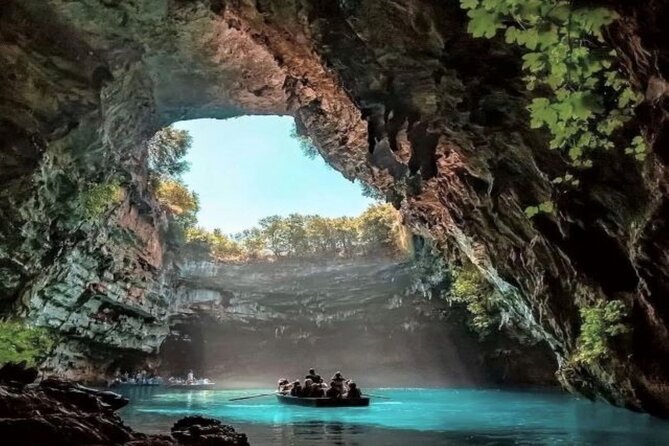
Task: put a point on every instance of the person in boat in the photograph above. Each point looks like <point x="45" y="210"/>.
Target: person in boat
<point x="283" y="386"/>
<point x="333" y="391"/>
<point x="306" y="388"/>
<point x="190" y="377"/>
<point x="317" y="390"/>
<point x="353" y="392"/>
<point x="339" y="381"/>
<point x="314" y="377"/>
<point x="296" y="390"/>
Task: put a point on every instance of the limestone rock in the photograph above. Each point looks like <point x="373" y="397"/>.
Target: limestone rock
<point x="60" y="413"/>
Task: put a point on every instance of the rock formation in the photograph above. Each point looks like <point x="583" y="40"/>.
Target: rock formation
<point x="60" y="413"/>
<point x="247" y="323"/>
<point x="393" y="92"/>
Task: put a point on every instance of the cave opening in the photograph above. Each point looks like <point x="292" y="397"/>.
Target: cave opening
<point x="279" y="253"/>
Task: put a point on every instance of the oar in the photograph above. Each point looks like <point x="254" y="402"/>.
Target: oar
<point x="377" y="396"/>
<point x="252" y="396"/>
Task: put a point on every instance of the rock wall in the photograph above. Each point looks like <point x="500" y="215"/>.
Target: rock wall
<point x="251" y="323"/>
<point x="394" y="92"/>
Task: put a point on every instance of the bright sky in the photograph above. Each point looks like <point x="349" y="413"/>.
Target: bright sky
<point x="247" y="168"/>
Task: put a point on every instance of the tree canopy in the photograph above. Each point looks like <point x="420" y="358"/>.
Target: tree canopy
<point x="166" y="165"/>
<point x="377" y="231"/>
<point x="166" y="151"/>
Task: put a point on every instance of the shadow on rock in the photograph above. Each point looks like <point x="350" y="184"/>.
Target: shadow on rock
<point x="61" y="413"/>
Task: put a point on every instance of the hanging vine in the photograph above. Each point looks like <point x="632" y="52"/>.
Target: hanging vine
<point x="582" y="98"/>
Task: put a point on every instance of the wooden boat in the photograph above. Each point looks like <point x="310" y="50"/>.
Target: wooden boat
<point x="323" y="402"/>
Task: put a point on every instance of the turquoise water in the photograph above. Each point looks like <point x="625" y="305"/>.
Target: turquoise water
<point x="409" y="417"/>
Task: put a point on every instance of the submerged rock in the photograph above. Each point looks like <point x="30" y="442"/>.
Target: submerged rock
<point x="200" y="431"/>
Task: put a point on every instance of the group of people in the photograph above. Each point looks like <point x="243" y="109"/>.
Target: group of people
<point x="315" y="387"/>
<point x="150" y="378"/>
<point x="188" y="380"/>
<point x="140" y="377"/>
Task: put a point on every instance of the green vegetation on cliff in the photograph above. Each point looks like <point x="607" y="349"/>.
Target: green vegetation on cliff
<point x="599" y="323"/>
<point x="98" y="198"/>
<point x="470" y="288"/>
<point x="377" y="231"/>
<point x="19" y="342"/>
<point x="166" y="150"/>
<point x="580" y="93"/>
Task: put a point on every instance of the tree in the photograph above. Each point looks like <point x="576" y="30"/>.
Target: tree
<point x="307" y="146"/>
<point x="276" y="235"/>
<point x="224" y="247"/>
<point x="296" y="235"/>
<point x="166" y="151"/>
<point x="319" y="234"/>
<point x="181" y="203"/>
<point x="370" y="192"/>
<point x="380" y="229"/>
<point x="346" y="234"/>
<point x="252" y="242"/>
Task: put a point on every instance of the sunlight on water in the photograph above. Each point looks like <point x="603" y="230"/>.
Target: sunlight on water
<point x="416" y="416"/>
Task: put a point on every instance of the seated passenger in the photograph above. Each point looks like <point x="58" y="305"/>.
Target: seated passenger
<point x="281" y="385"/>
<point x="306" y="388"/>
<point x="353" y="392"/>
<point x="339" y="381"/>
<point x="297" y="389"/>
<point x="315" y="377"/>
<point x="333" y="391"/>
<point x="317" y="391"/>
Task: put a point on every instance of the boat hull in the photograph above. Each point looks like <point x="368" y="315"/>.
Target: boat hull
<point x="322" y="402"/>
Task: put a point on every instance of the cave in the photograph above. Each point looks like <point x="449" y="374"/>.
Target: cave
<point x="396" y="94"/>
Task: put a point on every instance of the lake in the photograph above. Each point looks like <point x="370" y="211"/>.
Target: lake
<point x="443" y="416"/>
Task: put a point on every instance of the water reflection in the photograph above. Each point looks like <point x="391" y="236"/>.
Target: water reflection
<point x="436" y="417"/>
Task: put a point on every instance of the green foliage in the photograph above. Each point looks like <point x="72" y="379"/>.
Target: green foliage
<point x="219" y="245"/>
<point x="166" y="151"/>
<point x="470" y="288"/>
<point x="307" y="146"/>
<point x="370" y="192"/>
<point x="175" y="196"/>
<point x="181" y="206"/>
<point x="252" y="242"/>
<point x="377" y="231"/>
<point x="599" y="323"/>
<point x="547" y="207"/>
<point x="380" y="229"/>
<point x="583" y="99"/>
<point x="21" y="343"/>
<point x="98" y="198"/>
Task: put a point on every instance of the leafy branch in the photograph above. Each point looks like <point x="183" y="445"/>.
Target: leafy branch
<point x="582" y="98"/>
